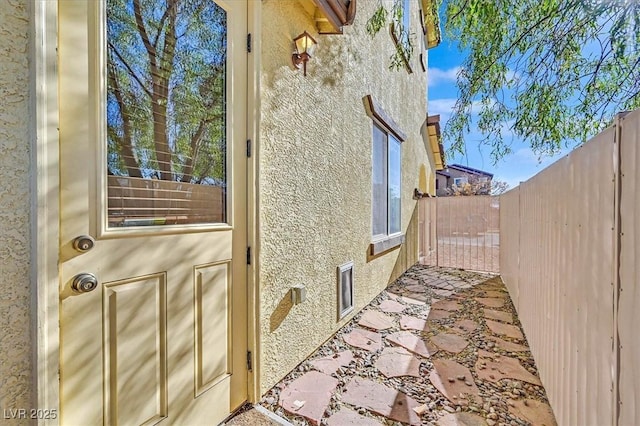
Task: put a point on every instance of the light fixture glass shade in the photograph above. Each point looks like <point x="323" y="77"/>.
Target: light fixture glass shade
<point x="305" y="43"/>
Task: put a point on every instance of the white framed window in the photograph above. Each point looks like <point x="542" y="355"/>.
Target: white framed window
<point x="459" y="181"/>
<point x="386" y="179"/>
<point x="345" y="289"/>
<point x="387" y="183"/>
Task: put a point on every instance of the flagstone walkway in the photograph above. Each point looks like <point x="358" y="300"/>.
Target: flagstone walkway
<point x="438" y="346"/>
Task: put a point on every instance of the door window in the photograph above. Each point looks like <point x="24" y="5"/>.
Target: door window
<point x="166" y="112"/>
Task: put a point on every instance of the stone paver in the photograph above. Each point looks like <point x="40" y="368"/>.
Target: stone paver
<point x="347" y="417"/>
<point x="382" y="400"/>
<point x="364" y="339"/>
<point x="498" y="315"/>
<point x="309" y="396"/>
<point x="437" y="314"/>
<point x="416" y="288"/>
<point x="442" y="293"/>
<point x="412" y="343"/>
<point x="446" y="305"/>
<point x="465" y="326"/>
<point x="375" y="320"/>
<point x="461" y="419"/>
<point x="391" y="306"/>
<point x="412" y="323"/>
<point x="450" y="342"/>
<point x="415" y="300"/>
<point x="505" y="329"/>
<point x="393" y="296"/>
<point x="396" y="362"/>
<point x="330" y="364"/>
<point x="495" y="293"/>
<point x="535" y="412"/>
<point x="382" y="379"/>
<point x="491" y="302"/>
<point x="453" y="380"/>
<point x="503" y="367"/>
<point x="507" y="346"/>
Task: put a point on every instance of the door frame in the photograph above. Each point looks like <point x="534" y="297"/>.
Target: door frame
<point x="45" y="200"/>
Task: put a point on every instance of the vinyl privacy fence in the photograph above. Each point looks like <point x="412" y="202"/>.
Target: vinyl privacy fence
<point x="460" y="232"/>
<point x="570" y="258"/>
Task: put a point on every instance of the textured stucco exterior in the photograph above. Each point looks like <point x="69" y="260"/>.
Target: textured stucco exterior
<point x="314" y="174"/>
<point x="15" y="338"/>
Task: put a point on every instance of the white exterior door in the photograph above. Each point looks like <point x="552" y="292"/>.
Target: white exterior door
<point x="152" y="130"/>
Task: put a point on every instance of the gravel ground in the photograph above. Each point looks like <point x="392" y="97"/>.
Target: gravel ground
<point x="498" y="400"/>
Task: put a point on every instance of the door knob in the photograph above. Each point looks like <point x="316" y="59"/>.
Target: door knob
<point x="83" y="243"/>
<point x="84" y="283"/>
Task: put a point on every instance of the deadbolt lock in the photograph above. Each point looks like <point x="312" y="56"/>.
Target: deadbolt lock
<point x="84" y="283"/>
<point x="83" y="243"/>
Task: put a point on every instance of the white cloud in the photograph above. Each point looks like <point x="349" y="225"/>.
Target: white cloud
<point x="527" y="156"/>
<point x="437" y="75"/>
<point x="445" y="106"/>
<point x="512" y="75"/>
<point x="441" y="106"/>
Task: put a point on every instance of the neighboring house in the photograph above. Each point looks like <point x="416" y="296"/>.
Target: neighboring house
<point x="186" y="215"/>
<point x="457" y="175"/>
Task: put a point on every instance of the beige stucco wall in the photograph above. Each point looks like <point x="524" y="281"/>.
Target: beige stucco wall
<point x="314" y="176"/>
<point x="15" y="341"/>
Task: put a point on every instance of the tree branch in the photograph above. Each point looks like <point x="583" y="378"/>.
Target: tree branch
<point x="129" y="69"/>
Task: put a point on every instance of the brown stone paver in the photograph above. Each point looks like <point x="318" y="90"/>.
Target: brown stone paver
<point x="396" y="362"/>
<point x="364" y="339"/>
<point x="495" y="293"/>
<point x="503" y="367"/>
<point x="437" y="314"/>
<point x="453" y="380"/>
<point x="458" y="359"/>
<point x="416" y="288"/>
<point x="375" y="320"/>
<point x="450" y="342"/>
<point x="491" y="302"/>
<point x="461" y="419"/>
<point x="442" y="293"/>
<point x="309" y="395"/>
<point x="446" y="305"/>
<point x="391" y="306"/>
<point x="330" y="364"/>
<point x="348" y="417"/>
<point x="498" y="315"/>
<point x="412" y="343"/>
<point x="507" y="346"/>
<point x="505" y="329"/>
<point x="382" y="400"/>
<point x="534" y="412"/>
<point x="412" y="323"/>
<point x="465" y="326"/>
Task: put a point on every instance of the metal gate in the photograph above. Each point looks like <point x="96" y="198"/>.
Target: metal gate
<point x="460" y="232"/>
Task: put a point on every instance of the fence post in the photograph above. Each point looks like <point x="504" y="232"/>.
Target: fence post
<point x="617" y="176"/>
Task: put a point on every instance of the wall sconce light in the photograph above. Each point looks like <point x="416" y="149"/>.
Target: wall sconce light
<point x="304" y="47"/>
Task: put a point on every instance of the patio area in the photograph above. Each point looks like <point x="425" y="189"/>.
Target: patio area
<point x="438" y="346"/>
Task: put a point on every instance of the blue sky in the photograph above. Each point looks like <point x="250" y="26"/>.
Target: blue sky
<point x="520" y="165"/>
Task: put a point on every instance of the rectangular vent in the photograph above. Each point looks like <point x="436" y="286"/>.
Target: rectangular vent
<point x="345" y="289"/>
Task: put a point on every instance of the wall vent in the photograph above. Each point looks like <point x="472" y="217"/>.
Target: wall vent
<point x="345" y="289"/>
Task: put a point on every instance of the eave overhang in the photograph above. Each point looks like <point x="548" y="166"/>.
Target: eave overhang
<point x="431" y="20"/>
<point x="435" y="141"/>
<point x="332" y="15"/>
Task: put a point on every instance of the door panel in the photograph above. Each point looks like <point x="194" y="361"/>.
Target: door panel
<point x="135" y="350"/>
<point x="163" y="338"/>
<point x="213" y="361"/>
